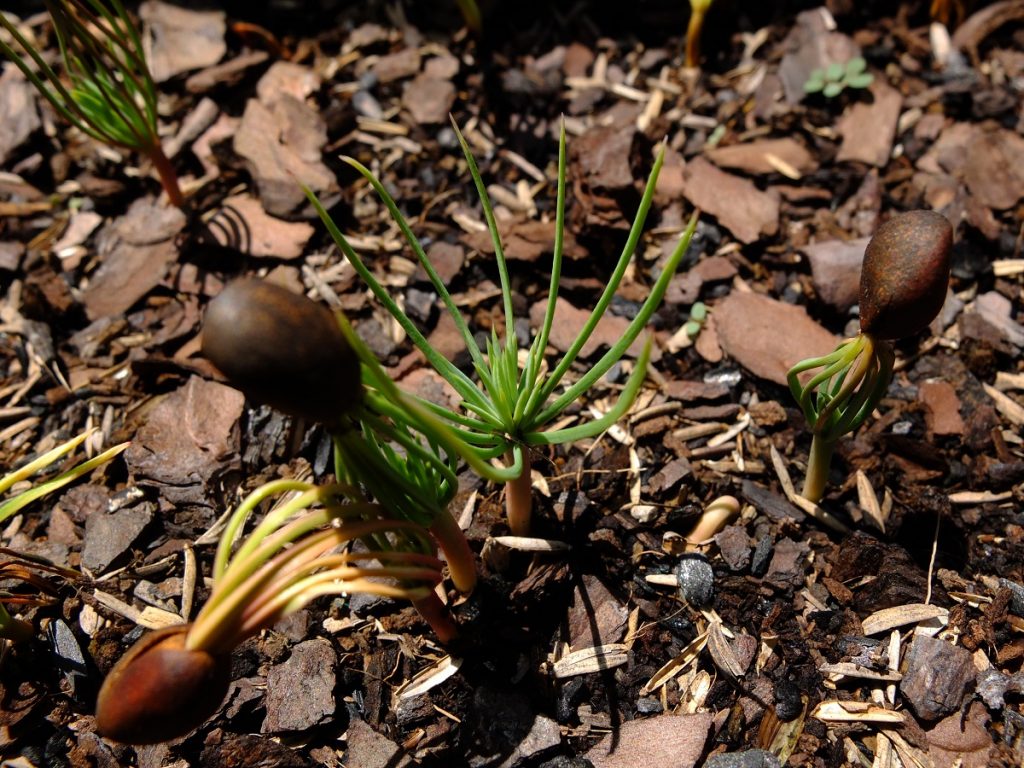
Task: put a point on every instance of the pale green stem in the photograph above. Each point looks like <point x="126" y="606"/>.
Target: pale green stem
<point x="519" y="497"/>
<point x="817" y="468"/>
<point x="451" y="539"/>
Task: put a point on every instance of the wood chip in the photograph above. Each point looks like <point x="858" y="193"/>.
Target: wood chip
<point x="676" y="666"/>
<point x="868" y="501"/>
<point x="149" y="617"/>
<point x="901" y="615"/>
<point x="849" y="669"/>
<point x="594" y="659"/>
<point x="428" y="678"/>
<point x="855" y="712"/>
<point x="979" y="497"/>
<point x="1006" y="405"/>
<point x="528" y="544"/>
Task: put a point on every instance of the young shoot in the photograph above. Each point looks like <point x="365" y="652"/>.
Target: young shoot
<point x="111" y="96"/>
<point x="694" y="28"/>
<point x="903" y="285"/>
<point x="12" y="628"/>
<point x="286" y="350"/>
<point x="508" y="412"/>
<point x="171" y="681"/>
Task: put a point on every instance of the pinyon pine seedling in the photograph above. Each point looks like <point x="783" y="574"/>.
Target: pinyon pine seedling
<point x="111" y="97"/>
<point x="506" y="415"/>
<point x="170" y="681"/>
<point x="12" y="628"/>
<point x="902" y="288"/>
<point x="287" y="351"/>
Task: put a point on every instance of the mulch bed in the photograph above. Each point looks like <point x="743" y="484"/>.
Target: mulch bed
<point x="889" y="632"/>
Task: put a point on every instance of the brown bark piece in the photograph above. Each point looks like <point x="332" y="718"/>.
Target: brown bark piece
<point x="188" y="438"/>
<point x="960" y="740"/>
<point x="835" y="269"/>
<point x="768" y="337"/>
<point x="178" y="40"/>
<point x="868" y="130"/>
<point x="136" y="251"/>
<point x="369" y="749"/>
<point x="596" y="617"/>
<point x="676" y="740"/>
<point x="300" y="691"/>
<point x="284" y="77"/>
<point x="738" y="205"/>
<point x="568" y="322"/>
<point x="942" y="407"/>
<point x="428" y="99"/>
<point x="756" y="157"/>
<point x="603" y="157"/>
<point x="241" y="223"/>
<point x="281" y="145"/>
<point x="396" y="66"/>
<point x="21" y="118"/>
<point x="994" y="168"/>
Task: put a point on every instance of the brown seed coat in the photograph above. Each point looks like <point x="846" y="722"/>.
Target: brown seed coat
<point x="905" y="274"/>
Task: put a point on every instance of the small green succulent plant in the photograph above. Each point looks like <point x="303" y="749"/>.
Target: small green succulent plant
<point x="111" y="97"/>
<point x="836" y="77"/>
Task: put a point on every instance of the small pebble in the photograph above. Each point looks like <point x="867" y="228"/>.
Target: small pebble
<point x="648" y="706"/>
<point x="762" y="556"/>
<point x="1017" y="595"/>
<point x="730" y="377"/>
<point x="696" y="580"/>
<point x="367" y="106"/>
<point x="752" y="758"/>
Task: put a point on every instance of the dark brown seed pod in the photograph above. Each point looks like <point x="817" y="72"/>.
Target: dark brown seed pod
<point x="282" y="349"/>
<point x="905" y="274"/>
<point x="159" y="690"/>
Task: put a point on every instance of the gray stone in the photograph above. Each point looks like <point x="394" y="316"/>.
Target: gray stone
<point x="109" y="535"/>
<point x="696" y="580"/>
<point x="752" y="758"/>
<point x="300" y="692"/>
<point x="937" y="678"/>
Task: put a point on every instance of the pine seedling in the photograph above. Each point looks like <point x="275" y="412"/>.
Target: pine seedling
<point x="12" y="628"/>
<point x="902" y="288"/>
<point x="508" y="413"/>
<point x="174" y="679"/>
<point x="111" y="96"/>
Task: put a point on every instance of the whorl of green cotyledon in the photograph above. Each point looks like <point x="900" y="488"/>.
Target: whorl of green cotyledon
<point x="508" y="412"/>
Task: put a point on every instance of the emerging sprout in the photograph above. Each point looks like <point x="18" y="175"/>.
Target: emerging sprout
<point x="508" y="413"/>
<point x="12" y="628"/>
<point x="833" y="79"/>
<point x="698" y="10"/>
<point x="171" y="681"/>
<point x="112" y="97"/>
<point x="161" y="689"/>
<point x="470" y="11"/>
<point x="282" y="349"/>
<point x="905" y="273"/>
<point x="903" y="285"/>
